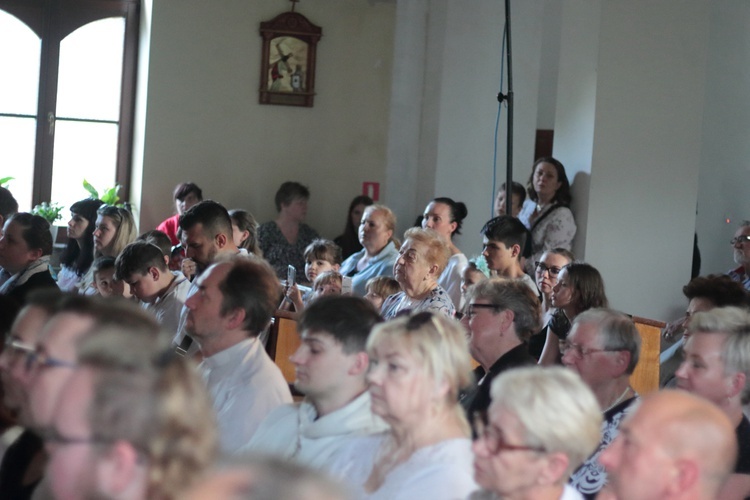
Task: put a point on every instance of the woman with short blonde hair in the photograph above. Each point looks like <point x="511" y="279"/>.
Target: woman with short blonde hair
<point x="419" y="364"/>
<point x="542" y="424"/>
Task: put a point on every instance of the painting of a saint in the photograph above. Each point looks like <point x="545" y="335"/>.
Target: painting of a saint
<point x="287" y="65"/>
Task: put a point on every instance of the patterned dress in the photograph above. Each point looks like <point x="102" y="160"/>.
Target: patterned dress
<point x="437" y="301"/>
<point x="280" y="253"/>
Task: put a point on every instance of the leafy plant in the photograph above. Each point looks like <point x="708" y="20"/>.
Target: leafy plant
<point x="108" y="196"/>
<point x="49" y="211"/>
<point x="5" y="180"/>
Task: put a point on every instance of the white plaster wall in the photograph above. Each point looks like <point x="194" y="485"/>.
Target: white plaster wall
<point x="645" y="162"/>
<point x="460" y="45"/>
<point x="725" y="164"/>
<point x="204" y="122"/>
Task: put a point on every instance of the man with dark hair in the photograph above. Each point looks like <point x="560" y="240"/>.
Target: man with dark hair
<point x="234" y="304"/>
<point x="141" y="265"/>
<point x="330" y="366"/>
<point x="501" y="315"/>
<point x="8" y="206"/>
<point x="504" y="238"/>
<point x="703" y="293"/>
<point x="25" y="248"/>
<point x="207" y="232"/>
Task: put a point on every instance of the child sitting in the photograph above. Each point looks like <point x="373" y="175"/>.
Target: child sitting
<point x="105" y="283"/>
<point x="320" y="256"/>
<point x="379" y="288"/>
<point x="143" y="267"/>
<point x="327" y="283"/>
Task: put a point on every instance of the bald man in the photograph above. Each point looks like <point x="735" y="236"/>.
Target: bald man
<point x="673" y="446"/>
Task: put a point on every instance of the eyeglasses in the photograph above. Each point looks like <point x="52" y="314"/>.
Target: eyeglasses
<point x="493" y="437"/>
<point x="52" y="436"/>
<point x="471" y="309"/>
<point x="740" y="239"/>
<point x="541" y="268"/>
<point x="580" y="352"/>
<point x="35" y="357"/>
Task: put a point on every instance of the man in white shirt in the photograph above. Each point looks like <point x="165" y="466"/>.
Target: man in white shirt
<point x="331" y="365"/>
<point x="233" y="305"/>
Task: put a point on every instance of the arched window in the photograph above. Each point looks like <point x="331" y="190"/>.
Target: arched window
<point x="66" y="96"/>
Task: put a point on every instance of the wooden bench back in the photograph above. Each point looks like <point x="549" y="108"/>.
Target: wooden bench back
<point x="283" y="341"/>
<point x="645" y="378"/>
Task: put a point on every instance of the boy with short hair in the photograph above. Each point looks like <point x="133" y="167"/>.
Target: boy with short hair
<point x="503" y="242"/>
<point x="142" y="266"/>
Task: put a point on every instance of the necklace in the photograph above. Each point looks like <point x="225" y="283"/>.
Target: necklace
<point x="618" y="400"/>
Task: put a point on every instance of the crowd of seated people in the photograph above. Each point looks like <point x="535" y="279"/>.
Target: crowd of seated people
<point x="127" y="379"/>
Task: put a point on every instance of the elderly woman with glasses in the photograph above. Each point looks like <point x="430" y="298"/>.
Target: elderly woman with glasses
<point x="418" y="365"/>
<point x="546" y="271"/>
<point x="420" y="262"/>
<point x="603" y="348"/>
<point x="542" y="424"/>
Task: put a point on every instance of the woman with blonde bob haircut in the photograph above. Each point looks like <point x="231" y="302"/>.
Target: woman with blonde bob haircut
<point x="115" y="229"/>
<point x="418" y="365"/>
<point x="542" y="424"/>
<point x="420" y="262"/>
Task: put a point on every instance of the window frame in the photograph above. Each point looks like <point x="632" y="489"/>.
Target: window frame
<point x="52" y="21"/>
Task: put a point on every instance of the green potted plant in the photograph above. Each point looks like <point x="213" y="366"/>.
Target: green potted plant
<point x="108" y="196"/>
<point x="51" y="213"/>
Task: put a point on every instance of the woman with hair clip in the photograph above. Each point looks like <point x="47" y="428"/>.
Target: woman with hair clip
<point x="418" y="366"/>
<point x="78" y="255"/>
<point x="579" y="287"/>
<point x="445" y="217"/>
<point x="115" y="229"/>
<point x="349" y="239"/>
<point x="547" y="210"/>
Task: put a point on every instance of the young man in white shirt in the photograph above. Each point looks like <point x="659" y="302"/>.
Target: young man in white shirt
<point x="330" y="366"/>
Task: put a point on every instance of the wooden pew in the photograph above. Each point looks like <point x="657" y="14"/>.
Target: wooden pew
<point x="283" y="341"/>
<point x="645" y="378"/>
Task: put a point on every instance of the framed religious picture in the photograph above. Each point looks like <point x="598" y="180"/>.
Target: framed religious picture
<point x="287" y="73"/>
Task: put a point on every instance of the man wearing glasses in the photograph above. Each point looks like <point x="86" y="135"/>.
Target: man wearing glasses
<point x="133" y="421"/>
<point x="18" y="478"/>
<point x="500" y="316"/>
<point x="741" y="246"/>
<point x="603" y="348"/>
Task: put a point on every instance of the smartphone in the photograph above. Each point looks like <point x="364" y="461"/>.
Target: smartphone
<point x="291" y="276"/>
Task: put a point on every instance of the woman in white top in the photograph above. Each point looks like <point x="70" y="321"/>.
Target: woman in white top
<point x="542" y="424"/>
<point x="546" y="212"/>
<point x="445" y="216"/>
<point x="418" y="365"/>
